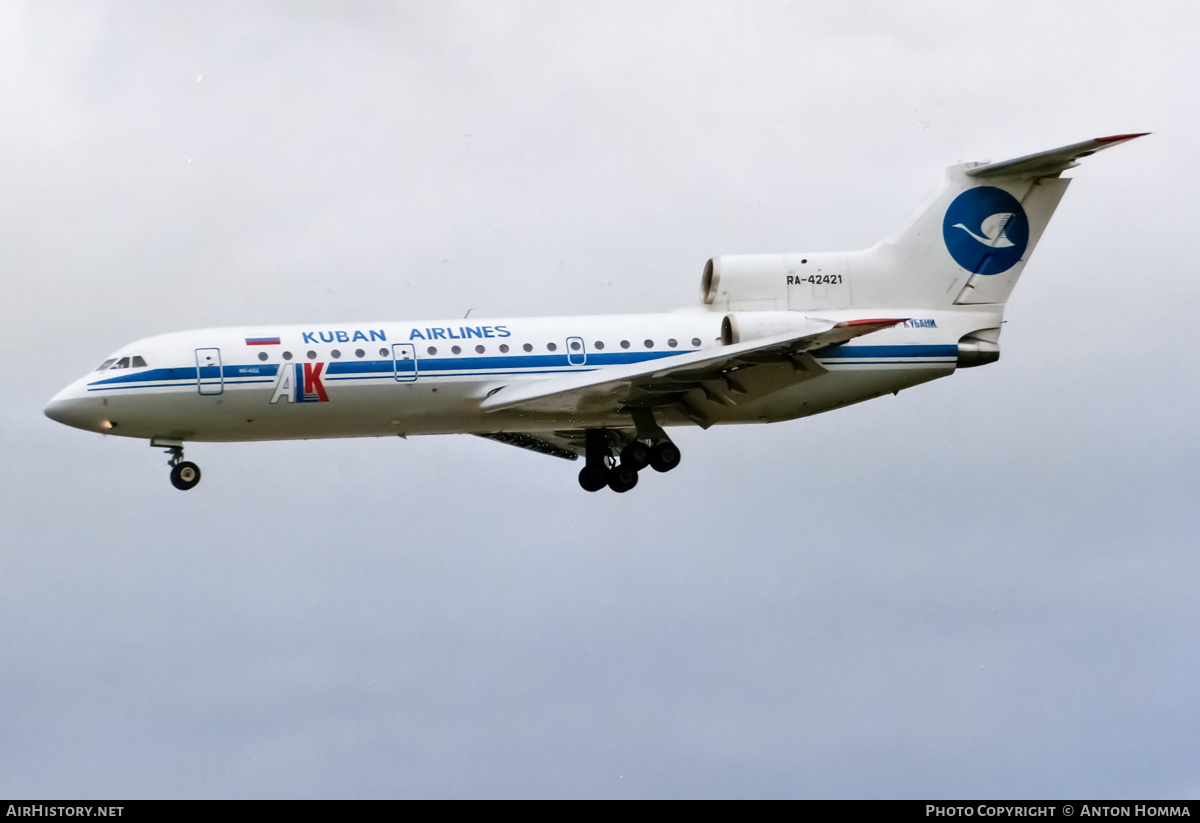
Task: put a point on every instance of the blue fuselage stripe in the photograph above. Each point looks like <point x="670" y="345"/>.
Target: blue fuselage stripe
<point x="857" y="352"/>
<point x="483" y="366"/>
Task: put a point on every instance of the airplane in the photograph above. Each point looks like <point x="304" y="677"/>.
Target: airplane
<point x="776" y="337"/>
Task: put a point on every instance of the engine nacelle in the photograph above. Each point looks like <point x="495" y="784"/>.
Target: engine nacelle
<point x="979" y="348"/>
<point x="778" y="282"/>
<point x="738" y="327"/>
<point x="748" y="282"/>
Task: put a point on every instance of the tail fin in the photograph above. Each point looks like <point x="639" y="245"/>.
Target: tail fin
<point x="967" y="246"/>
<point x="972" y="242"/>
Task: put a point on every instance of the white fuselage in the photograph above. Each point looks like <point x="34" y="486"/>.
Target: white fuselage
<point x="778" y="336"/>
<point x="430" y="377"/>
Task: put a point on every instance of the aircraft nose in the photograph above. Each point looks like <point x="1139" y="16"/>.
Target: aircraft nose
<point x="58" y="409"/>
<point x="68" y="408"/>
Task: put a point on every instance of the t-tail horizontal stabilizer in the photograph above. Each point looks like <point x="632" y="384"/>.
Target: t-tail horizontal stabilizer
<point x="970" y="244"/>
<point x="1052" y="162"/>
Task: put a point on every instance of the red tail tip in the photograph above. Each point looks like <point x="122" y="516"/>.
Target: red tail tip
<point x="1117" y="138"/>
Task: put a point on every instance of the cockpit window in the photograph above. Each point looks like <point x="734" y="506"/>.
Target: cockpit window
<point x="123" y="363"/>
<point x="106" y="364"/>
<point x="138" y="361"/>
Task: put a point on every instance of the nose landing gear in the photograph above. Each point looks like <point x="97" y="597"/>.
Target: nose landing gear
<point x="184" y="475"/>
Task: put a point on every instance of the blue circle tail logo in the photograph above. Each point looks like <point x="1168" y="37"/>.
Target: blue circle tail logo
<point x="986" y="230"/>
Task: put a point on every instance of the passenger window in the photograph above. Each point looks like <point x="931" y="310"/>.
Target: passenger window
<point x="262" y="355"/>
<point x="598" y="345"/>
<point x="456" y="349"/>
<point x="649" y="344"/>
<point x="312" y="355"/>
<point x="696" y="342"/>
<point x="504" y="348"/>
<point x="528" y="347"/>
<point x="106" y="364"/>
<point x="383" y="352"/>
<point x="551" y="347"/>
<point x="479" y="350"/>
<point x="624" y="344"/>
<point x="574" y="345"/>
<point x="287" y="355"/>
<point x="335" y="354"/>
<point x="359" y="353"/>
<point x="672" y="342"/>
<point x="432" y="350"/>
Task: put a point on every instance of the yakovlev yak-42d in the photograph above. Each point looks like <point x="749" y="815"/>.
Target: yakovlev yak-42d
<point x="779" y="336"/>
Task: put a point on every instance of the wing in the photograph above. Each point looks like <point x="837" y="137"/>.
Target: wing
<point x="1047" y="163"/>
<point x="721" y="374"/>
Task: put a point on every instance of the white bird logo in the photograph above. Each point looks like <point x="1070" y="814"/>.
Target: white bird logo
<point x="993" y="230"/>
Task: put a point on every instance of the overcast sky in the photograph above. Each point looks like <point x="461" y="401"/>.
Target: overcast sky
<point x="982" y="587"/>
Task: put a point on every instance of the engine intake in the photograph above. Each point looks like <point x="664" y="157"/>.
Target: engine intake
<point x="753" y="282"/>
<point x="738" y="327"/>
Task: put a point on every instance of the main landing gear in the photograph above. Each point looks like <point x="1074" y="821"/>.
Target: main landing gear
<point x="606" y="466"/>
<point x="184" y="475"/>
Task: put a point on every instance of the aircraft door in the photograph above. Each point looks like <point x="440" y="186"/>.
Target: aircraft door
<point x="405" y="357"/>
<point x="208" y="371"/>
<point x="576" y="351"/>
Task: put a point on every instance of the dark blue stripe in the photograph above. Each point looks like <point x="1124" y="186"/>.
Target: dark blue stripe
<point x="503" y="363"/>
<point x="375" y="367"/>
<point x="470" y="373"/>
<point x="190" y="384"/>
<point x="266" y="370"/>
<point x="908" y="361"/>
<point x="208" y="372"/>
<point x="153" y="374"/>
<point x="843" y="351"/>
<point x="535" y="361"/>
<point x="514" y="364"/>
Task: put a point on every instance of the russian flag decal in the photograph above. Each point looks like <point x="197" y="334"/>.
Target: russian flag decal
<point x="262" y="341"/>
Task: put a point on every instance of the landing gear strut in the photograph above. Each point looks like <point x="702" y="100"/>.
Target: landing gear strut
<point x="184" y="475"/>
<point x="602" y="469"/>
<point x="662" y="454"/>
<point x="616" y="466"/>
<point x="594" y="475"/>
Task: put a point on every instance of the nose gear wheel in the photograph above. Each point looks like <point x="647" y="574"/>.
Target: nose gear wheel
<point x="184" y="474"/>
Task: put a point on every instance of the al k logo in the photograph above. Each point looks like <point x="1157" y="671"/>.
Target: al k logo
<point x="300" y="383"/>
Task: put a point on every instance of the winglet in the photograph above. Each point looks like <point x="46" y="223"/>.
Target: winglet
<point x="1052" y="162"/>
